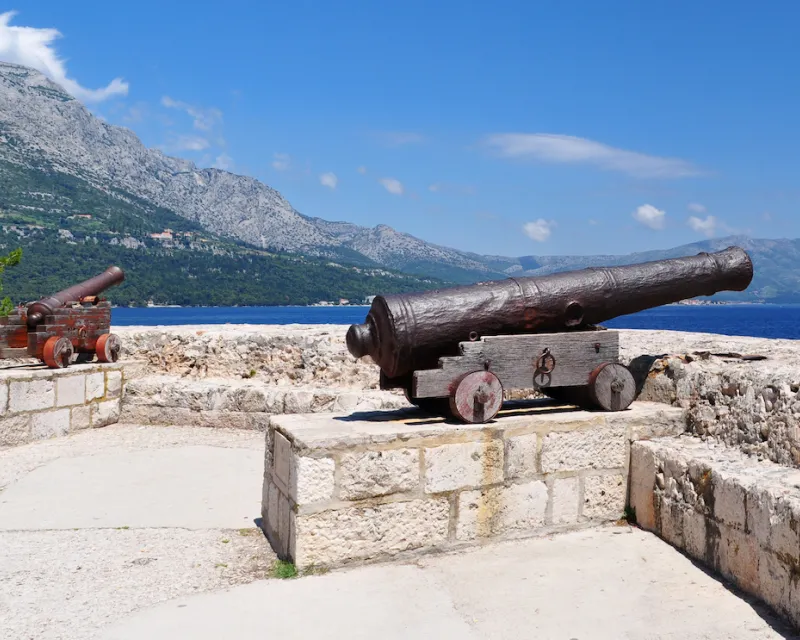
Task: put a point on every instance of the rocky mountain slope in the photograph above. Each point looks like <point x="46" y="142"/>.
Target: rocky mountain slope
<point x="45" y="130"/>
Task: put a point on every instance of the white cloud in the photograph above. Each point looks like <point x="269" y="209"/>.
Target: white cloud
<point x="203" y="119"/>
<point x="362" y="170"/>
<point x="563" y="149"/>
<point x="329" y="180"/>
<point x="34" y="48"/>
<point x="191" y="143"/>
<point x="281" y="161"/>
<point x="399" y="138"/>
<point x="649" y="216"/>
<point x="593" y="222"/>
<point x="452" y="189"/>
<point x="392" y="186"/>
<point x="539" y="230"/>
<point x="224" y="162"/>
<point x="766" y="216"/>
<point x="697" y="208"/>
<point x="707" y="227"/>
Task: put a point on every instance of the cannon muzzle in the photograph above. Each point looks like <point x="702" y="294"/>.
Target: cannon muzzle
<point x="406" y="332"/>
<point x="91" y="287"/>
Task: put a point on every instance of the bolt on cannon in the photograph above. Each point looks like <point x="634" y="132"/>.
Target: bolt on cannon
<point x="72" y="324"/>
<point x="455" y="351"/>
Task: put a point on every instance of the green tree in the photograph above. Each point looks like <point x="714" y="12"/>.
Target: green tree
<point x="13" y="258"/>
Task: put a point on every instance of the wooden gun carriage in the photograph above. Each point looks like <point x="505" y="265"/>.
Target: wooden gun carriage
<point x="456" y="351"/>
<point x="71" y="324"/>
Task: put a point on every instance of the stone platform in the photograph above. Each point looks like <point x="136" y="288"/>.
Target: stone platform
<point x="350" y="488"/>
<point x="37" y="402"/>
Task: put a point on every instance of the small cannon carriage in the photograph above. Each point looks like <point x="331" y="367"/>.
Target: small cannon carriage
<point x="456" y="351"/>
<point x="71" y="324"/>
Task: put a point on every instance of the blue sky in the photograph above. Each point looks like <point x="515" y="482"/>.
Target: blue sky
<point x="503" y="128"/>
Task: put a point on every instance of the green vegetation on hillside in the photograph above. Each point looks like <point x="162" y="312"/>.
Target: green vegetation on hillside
<point x="71" y="230"/>
<point x="191" y="277"/>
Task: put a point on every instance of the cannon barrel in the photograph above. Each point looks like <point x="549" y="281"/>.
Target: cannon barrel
<point x="91" y="287"/>
<point x="406" y="332"/>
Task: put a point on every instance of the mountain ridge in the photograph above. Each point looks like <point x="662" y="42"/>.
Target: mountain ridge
<point x="45" y="129"/>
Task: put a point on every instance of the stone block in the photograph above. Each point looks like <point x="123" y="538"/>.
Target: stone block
<point x="50" y="424"/>
<point x="95" y="386"/>
<point x="566" y="500"/>
<point x="312" y="480"/>
<point x="378" y="473"/>
<point x="671" y="515"/>
<point x="113" y="384"/>
<point x="642" y="483"/>
<point x="70" y="390"/>
<point x="31" y="395"/>
<point x="499" y="510"/>
<point x="458" y="466"/>
<point x="3" y="398"/>
<point x="298" y="401"/>
<point x="694" y="534"/>
<point x="594" y="448"/>
<point x="105" y="413"/>
<point x="729" y="500"/>
<point x="784" y="533"/>
<point x="362" y="533"/>
<point x="282" y="460"/>
<point x="15" y="430"/>
<point x="774" y="578"/>
<point x="521" y="456"/>
<point x="81" y="418"/>
<point x="604" y="497"/>
<point x="738" y="558"/>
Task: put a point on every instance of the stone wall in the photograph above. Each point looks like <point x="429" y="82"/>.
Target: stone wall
<point x="351" y="488"/>
<point x="737" y="515"/>
<point x="753" y="405"/>
<point x="37" y="403"/>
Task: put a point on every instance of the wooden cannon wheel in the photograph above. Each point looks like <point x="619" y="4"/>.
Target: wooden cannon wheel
<point x="108" y="347"/>
<point x="58" y="352"/>
<point x="612" y="387"/>
<point x="477" y="397"/>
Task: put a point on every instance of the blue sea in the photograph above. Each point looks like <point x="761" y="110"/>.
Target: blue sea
<point x="764" y="321"/>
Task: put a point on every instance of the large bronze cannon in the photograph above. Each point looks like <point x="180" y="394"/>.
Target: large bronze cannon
<point x="72" y="321"/>
<point x="469" y="343"/>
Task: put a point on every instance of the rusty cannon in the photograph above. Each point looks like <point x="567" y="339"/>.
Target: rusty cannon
<point x="455" y="351"/>
<point x="71" y="324"/>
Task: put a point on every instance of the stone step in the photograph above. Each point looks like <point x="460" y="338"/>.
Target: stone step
<point x="738" y="515"/>
<point x="240" y="403"/>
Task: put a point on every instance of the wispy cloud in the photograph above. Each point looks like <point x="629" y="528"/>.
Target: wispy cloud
<point x="203" y="119"/>
<point x="281" y="161"/>
<point x="708" y="226"/>
<point x="190" y="143"/>
<point x="392" y="186"/>
<point x="539" y="230"/>
<point x="649" y="216"/>
<point x="362" y="170"/>
<point x="224" y="162"/>
<point x="33" y="47"/>
<point x="456" y="189"/>
<point x="399" y="138"/>
<point x="696" y="207"/>
<point x="329" y="180"/>
<point x="561" y="149"/>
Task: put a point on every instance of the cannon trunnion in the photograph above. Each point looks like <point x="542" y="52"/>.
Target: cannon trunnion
<point x="72" y="325"/>
<point x="455" y="351"/>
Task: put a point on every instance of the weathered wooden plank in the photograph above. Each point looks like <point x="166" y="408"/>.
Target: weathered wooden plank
<point x="513" y="360"/>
